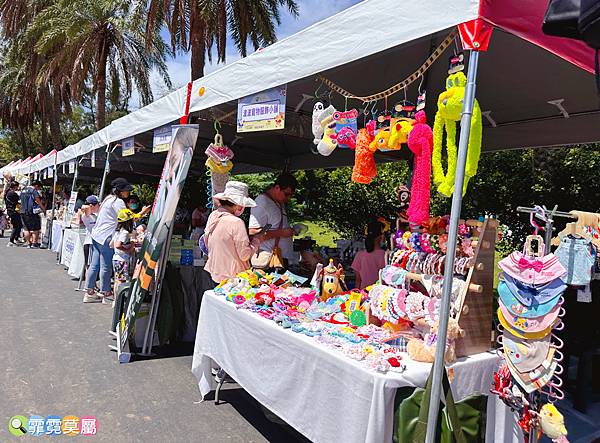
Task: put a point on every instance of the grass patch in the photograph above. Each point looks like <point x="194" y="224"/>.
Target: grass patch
<point x="323" y="235"/>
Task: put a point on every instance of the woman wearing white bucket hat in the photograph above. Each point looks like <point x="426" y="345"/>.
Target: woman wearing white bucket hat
<point x="226" y="237"/>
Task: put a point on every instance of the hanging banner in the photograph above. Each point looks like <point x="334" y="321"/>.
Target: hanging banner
<point x="44" y="174"/>
<point x="264" y="111"/>
<point x="162" y="139"/>
<point x="93" y="159"/>
<point x="35" y="175"/>
<point x="148" y="269"/>
<point x="64" y="169"/>
<point x="71" y="166"/>
<point x="51" y="172"/>
<point x="128" y="147"/>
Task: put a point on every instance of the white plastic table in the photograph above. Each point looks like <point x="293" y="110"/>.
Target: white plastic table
<point x="323" y="394"/>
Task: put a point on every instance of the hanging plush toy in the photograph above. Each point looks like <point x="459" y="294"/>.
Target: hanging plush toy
<point x="553" y="423"/>
<point x="399" y="130"/>
<point x="420" y="142"/>
<point x="329" y="141"/>
<point x="364" y="170"/>
<point x="450" y="103"/>
<point x="319" y="113"/>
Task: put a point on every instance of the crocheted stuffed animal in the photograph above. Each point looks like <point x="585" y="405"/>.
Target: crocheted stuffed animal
<point x="424" y="350"/>
<point x="399" y="130"/>
<point x="364" y="170"/>
<point x="381" y="140"/>
<point x="450" y="103"/>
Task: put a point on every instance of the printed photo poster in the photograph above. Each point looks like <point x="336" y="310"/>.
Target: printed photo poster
<point x="264" y="111"/>
<point x="161" y="219"/>
<point x="71" y="166"/>
<point x="128" y="147"/>
<point x="162" y="139"/>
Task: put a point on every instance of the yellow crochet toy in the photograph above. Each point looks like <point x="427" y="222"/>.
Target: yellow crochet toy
<point x="381" y="140"/>
<point x="450" y="103"/>
<point x="399" y="130"/>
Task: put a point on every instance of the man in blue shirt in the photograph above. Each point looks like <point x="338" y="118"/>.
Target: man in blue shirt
<point x="31" y="208"/>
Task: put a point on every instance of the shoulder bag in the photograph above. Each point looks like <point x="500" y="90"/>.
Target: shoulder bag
<point x="460" y="422"/>
<point x="272" y="259"/>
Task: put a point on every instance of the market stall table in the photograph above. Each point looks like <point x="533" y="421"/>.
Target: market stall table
<point x="57" y="232"/>
<point x="72" y="256"/>
<point x="325" y="395"/>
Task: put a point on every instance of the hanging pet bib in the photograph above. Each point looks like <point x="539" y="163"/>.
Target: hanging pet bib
<point x="450" y="103"/>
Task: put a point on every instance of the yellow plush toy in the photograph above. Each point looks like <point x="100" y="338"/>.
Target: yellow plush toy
<point x="399" y="130"/>
<point x="450" y="103"/>
<point x="381" y="140"/>
<point x="553" y="423"/>
<point x="332" y="283"/>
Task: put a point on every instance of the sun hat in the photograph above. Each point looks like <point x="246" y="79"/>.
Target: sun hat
<point x="537" y="271"/>
<point x="531" y="295"/>
<point x="525" y="304"/>
<point x="236" y="193"/>
<point x="92" y="200"/>
<point x="522" y="334"/>
<point x="126" y="214"/>
<point x="121" y="185"/>
<point x="525" y="355"/>
<point x="530" y="325"/>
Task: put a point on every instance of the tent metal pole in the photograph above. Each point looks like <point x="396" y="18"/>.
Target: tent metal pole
<point x="459" y="177"/>
<point x="105" y="173"/>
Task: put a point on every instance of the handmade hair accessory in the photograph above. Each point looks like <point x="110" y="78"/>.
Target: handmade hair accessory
<point x="420" y="142"/>
<point x="415" y="241"/>
<point x="450" y="103"/>
<point x="364" y="170"/>
<point x="463" y="229"/>
<point x="443" y="243"/>
<point x="426" y="243"/>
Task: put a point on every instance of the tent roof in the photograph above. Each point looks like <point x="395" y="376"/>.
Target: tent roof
<point x="520" y="74"/>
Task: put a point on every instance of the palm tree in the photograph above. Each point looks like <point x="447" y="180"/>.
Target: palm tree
<point x="97" y="41"/>
<point x="23" y="101"/>
<point x="198" y="25"/>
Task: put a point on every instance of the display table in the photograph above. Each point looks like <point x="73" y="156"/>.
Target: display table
<point x="72" y="256"/>
<point x="57" y="232"/>
<point x="325" y="395"/>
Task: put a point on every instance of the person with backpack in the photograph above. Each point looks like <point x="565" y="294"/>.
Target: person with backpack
<point x="32" y="206"/>
<point x="11" y="200"/>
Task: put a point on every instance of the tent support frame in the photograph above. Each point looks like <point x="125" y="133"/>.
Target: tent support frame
<point x="105" y="172"/>
<point x="459" y="177"/>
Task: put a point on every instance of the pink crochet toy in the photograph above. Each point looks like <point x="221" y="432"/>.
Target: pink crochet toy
<point x="420" y="142"/>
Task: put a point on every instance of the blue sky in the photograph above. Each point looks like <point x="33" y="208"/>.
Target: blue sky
<point x="310" y="12"/>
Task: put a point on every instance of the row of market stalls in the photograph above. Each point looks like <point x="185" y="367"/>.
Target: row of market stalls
<point x="534" y="91"/>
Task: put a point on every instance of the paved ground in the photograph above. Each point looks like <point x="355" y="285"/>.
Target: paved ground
<point x="56" y="361"/>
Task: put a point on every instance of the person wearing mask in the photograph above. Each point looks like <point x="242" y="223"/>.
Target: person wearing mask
<point x="31" y="208"/>
<point x="89" y="214"/>
<point x="102" y="232"/>
<point x="133" y="203"/>
<point x="271" y="210"/>
<point x="229" y="247"/>
<point x="368" y="262"/>
<point x="11" y="200"/>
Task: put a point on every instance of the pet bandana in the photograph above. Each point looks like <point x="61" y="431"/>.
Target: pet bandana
<point x="516" y="307"/>
<point x="531" y="295"/>
<point x="532" y="271"/>
<point x="525" y="355"/>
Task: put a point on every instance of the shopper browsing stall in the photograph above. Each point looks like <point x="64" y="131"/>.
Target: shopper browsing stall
<point x="368" y="262"/>
<point x="123" y="247"/>
<point x="229" y="247"/>
<point x="271" y="210"/>
<point x="31" y="208"/>
<point x="11" y="200"/>
<point x="102" y="253"/>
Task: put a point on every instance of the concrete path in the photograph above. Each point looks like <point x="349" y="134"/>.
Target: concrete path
<point x="56" y="361"/>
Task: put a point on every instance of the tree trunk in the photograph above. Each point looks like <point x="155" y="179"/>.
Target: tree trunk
<point x="44" y="127"/>
<point x="22" y="142"/>
<point x="102" y="58"/>
<point x="197" y="41"/>
<point x="54" y="118"/>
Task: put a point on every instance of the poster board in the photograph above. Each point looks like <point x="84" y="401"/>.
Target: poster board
<point x="162" y="139"/>
<point x="153" y="252"/>
<point x="264" y="111"/>
<point x="128" y="147"/>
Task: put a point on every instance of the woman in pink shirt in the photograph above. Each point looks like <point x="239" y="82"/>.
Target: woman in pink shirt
<point x="226" y="237"/>
<point x="369" y="262"/>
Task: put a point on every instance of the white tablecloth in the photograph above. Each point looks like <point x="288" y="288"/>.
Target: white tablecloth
<point x="56" y="236"/>
<point x="323" y="394"/>
<point x="72" y="256"/>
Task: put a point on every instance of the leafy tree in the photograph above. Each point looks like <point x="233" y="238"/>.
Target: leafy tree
<point x="98" y="42"/>
<point x="198" y="25"/>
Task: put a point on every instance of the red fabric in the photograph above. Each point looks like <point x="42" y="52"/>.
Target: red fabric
<point x="523" y="18"/>
<point x="475" y="35"/>
<point x="184" y="119"/>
